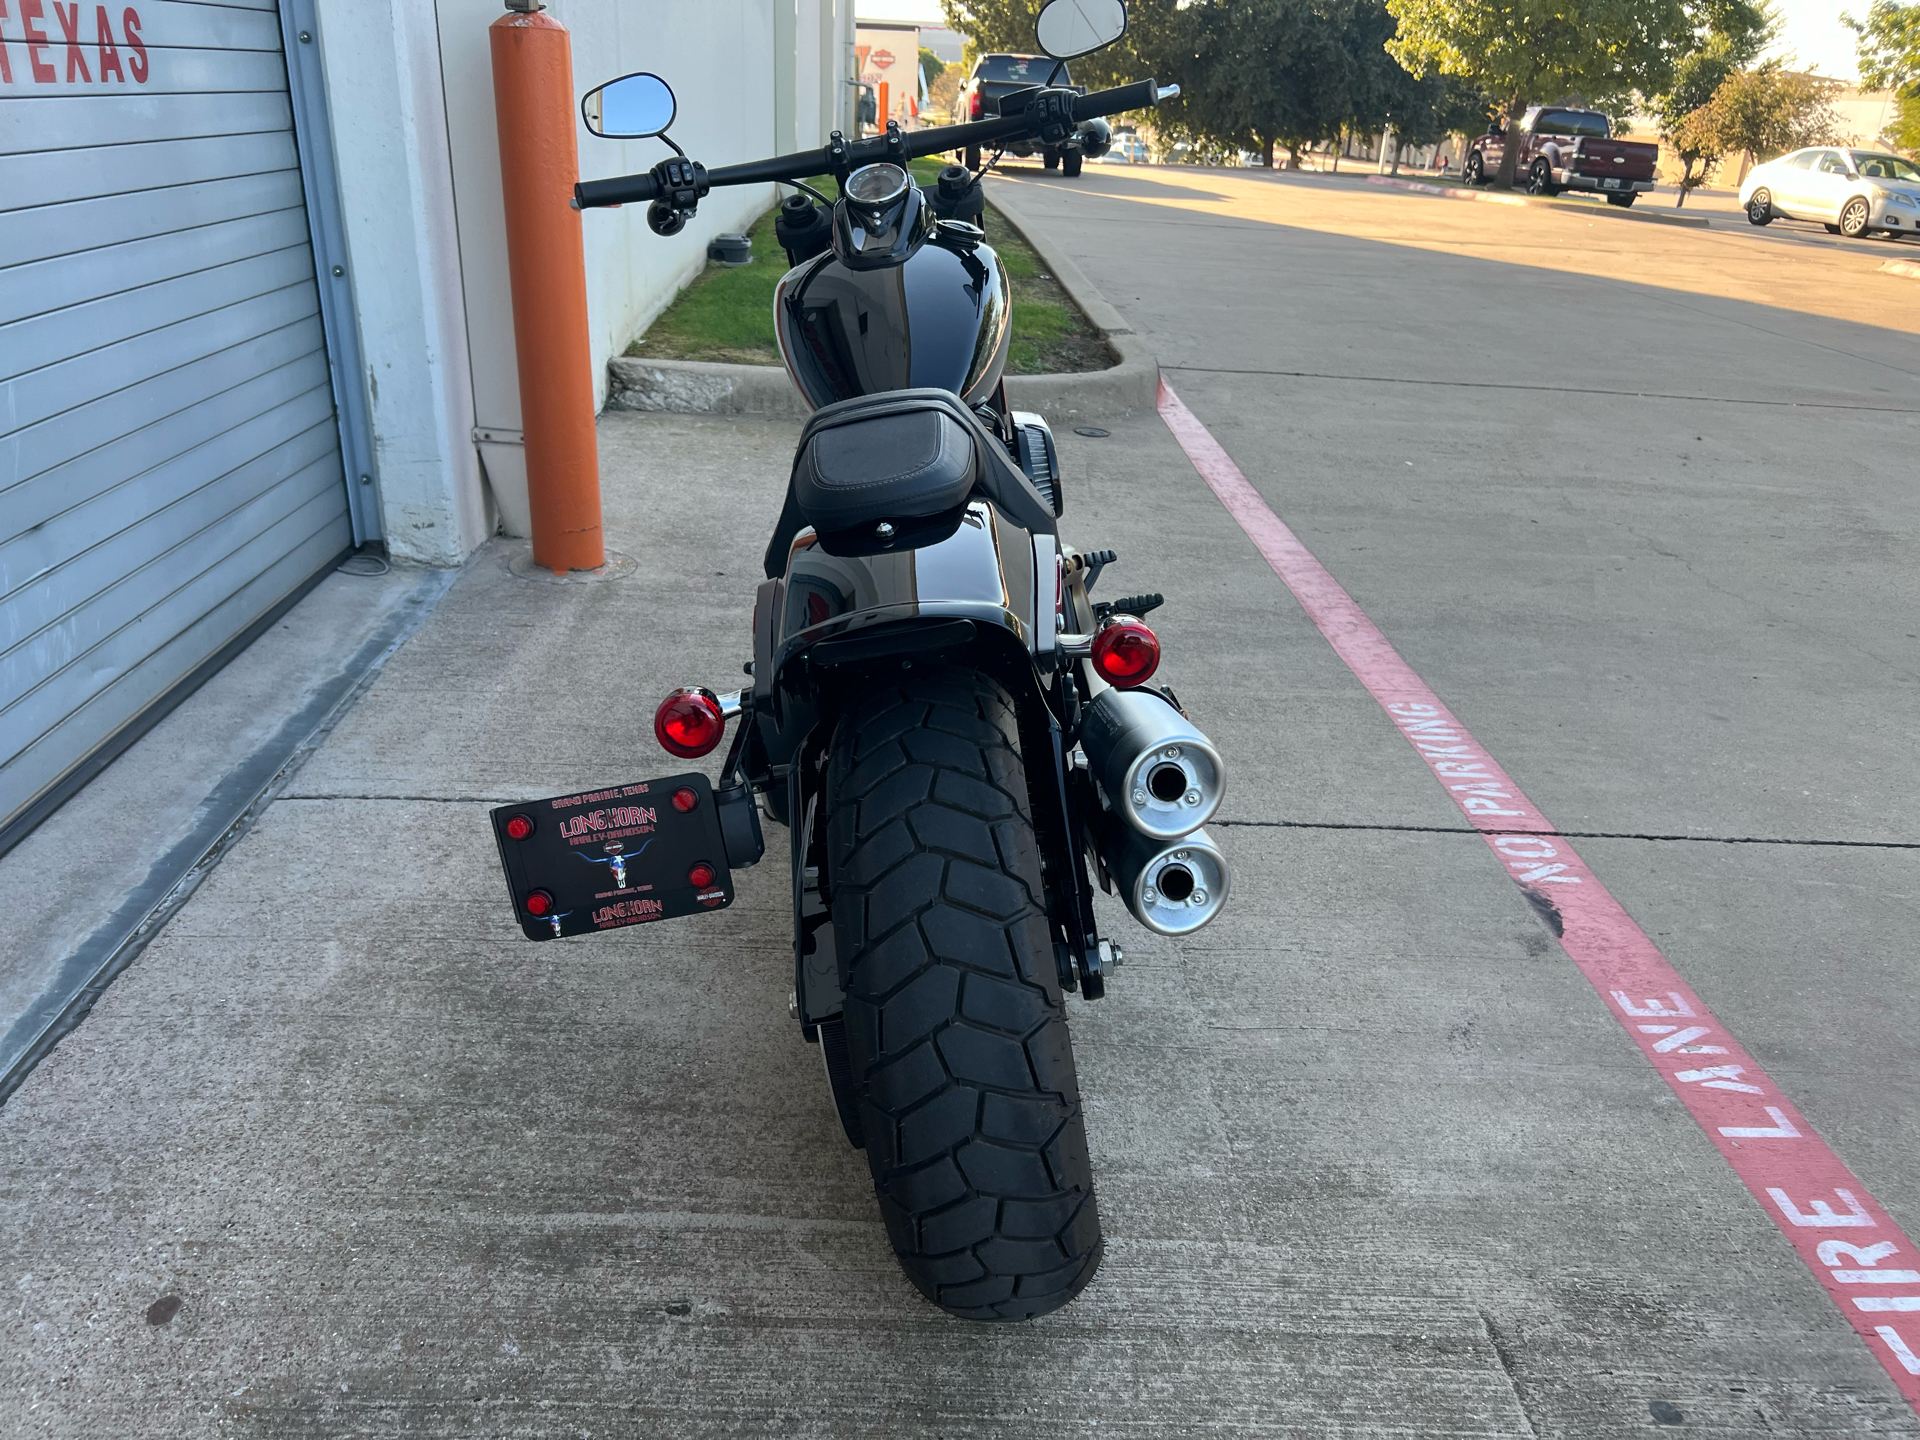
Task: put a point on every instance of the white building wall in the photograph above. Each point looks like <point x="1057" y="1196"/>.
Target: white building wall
<point x="396" y="197"/>
<point x="410" y="88"/>
<point x="1863" y="114"/>
<point x="808" y="77"/>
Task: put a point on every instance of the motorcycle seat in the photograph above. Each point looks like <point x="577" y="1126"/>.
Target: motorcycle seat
<point x="890" y="461"/>
<point x="902" y="455"/>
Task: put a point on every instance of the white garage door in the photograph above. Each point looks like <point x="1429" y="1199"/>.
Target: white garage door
<point x="170" y="464"/>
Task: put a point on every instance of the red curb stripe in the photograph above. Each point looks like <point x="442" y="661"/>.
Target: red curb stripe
<point x="1869" y="1267"/>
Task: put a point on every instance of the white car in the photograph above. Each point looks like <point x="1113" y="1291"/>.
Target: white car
<point x="1851" y="192"/>
<point x="1128" y="149"/>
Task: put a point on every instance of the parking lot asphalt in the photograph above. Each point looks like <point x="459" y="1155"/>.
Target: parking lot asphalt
<point x="1373" y="1158"/>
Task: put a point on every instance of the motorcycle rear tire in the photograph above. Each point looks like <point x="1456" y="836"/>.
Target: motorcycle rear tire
<point x="955" y="1022"/>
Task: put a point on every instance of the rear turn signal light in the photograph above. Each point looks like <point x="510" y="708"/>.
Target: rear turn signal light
<point x="688" y="723"/>
<point x="701" y="875"/>
<point x="1126" y="652"/>
<point x="539" y="904"/>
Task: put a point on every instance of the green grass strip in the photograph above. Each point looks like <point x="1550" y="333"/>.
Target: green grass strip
<point x="726" y="312"/>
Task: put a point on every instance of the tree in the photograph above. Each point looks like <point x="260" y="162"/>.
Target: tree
<point x="1728" y="35"/>
<point x="1696" y="138"/>
<point x="1767" y="110"/>
<point x="1375" y="78"/>
<point x="1276" y="72"/>
<point x="1425" y="109"/>
<point x="1889" y="50"/>
<point x="1526" y="51"/>
<point x="930" y="67"/>
<point x="942" y="81"/>
<point x="1253" y="74"/>
<point x="1007" y="25"/>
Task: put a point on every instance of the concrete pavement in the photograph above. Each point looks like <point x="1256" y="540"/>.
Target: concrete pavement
<point x="1681" y="612"/>
<point x="1373" y="1159"/>
<point x="106" y="868"/>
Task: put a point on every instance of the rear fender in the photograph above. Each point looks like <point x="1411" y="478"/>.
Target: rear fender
<point x="830" y="618"/>
<point x="983" y="598"/>
<point x="984" y="572"/>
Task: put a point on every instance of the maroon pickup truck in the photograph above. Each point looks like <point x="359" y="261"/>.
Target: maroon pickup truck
<point x="1563" y="149"/>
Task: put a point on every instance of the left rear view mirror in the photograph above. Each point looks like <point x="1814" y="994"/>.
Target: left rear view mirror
<point x="1067" y="29"/>
<point x="630" y="108"/>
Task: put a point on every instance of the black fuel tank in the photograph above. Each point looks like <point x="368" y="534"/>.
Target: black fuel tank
<point x="941" y="318"/>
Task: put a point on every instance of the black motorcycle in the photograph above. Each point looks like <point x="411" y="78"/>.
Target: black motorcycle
<point x="951" y="726"/>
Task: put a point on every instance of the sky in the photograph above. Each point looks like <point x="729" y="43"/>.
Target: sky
<point x="1810" y="29"/>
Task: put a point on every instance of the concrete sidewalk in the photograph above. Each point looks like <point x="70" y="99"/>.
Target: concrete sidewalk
<point x="409" y="1174"/>
<point x="105" y="870"/>
<point x="1372" y="1158"/>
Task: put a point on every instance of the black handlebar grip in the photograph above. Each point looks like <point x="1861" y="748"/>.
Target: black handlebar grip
<point x="621" y="190"/>
<point x="1140" y="95"/>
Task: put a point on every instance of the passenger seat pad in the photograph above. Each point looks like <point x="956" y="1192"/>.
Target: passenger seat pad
<point x="903" y="465"/>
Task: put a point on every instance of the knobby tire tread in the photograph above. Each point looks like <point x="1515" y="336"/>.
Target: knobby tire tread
<point x="955" y="1022"/>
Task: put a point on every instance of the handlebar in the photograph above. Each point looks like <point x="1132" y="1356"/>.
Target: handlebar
<point x="1140" y="95"/>
<point x="896" y="146"/>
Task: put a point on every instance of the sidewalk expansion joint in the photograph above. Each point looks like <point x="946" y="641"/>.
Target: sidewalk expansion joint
<point x="1503" y="1352"/>
<point x="1546" y="389"/>
<point x="423" y="799"/>
<point x="1567" y="834"/>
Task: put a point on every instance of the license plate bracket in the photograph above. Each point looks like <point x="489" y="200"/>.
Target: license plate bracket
<point x="608" y="858"/>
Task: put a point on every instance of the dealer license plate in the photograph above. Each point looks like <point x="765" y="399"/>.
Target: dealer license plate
<point x="604" y="859"/>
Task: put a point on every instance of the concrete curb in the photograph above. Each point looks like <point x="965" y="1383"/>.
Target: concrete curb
<point x="1901" y="267"/>
<point x="1537" y="202"/>
<point x="229" y="811"/>
<point x="699" y="387"/>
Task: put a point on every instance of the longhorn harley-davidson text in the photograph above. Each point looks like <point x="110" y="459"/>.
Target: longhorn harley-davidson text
<point x="952" y="727"/>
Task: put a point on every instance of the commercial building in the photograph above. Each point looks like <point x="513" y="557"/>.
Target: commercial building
<point x="254" y="310"/>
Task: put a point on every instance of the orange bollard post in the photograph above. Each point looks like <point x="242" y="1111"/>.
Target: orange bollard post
<point x="547" y="268"/>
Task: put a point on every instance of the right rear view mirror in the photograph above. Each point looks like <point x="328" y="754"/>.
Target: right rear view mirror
<point x="633" y="107"/>
<point x="1067" y="29"/>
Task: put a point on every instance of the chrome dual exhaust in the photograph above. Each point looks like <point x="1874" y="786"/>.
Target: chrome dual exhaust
<point x="1162" y="779"/>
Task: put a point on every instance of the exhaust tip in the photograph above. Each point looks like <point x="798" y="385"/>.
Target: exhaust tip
<point x="1158" y="773"/>
<point x="1173" y="788"/>
<point x="1175" y="888"/>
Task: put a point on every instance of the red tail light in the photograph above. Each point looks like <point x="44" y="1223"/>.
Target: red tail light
<point x="685" y="800"/>
<point x="973" y="107"/>
<point x="701" y="875"/>
<point x="519" y="827"/>
<point x="1126" y="652"/>
<point x="688" y="723"/>
<point x="539" y="904"/>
